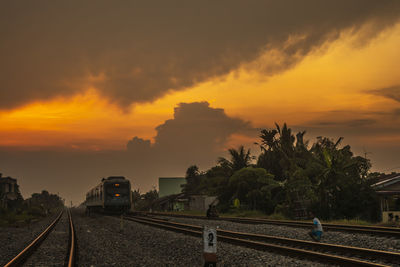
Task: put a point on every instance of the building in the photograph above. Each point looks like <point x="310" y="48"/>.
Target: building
<point x="171" y="197"/>
<point x="181" y="202"/>
<point x="201" y="202"/>
<point x="388" y="189"/>
<point x="170" y="186"/>
<point x="9" y="190"/>
<point x="176" y="202"/>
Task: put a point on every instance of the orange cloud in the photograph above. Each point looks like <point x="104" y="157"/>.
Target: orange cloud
<point x="336" y="77"/>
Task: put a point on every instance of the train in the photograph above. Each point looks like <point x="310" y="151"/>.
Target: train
<point x="112" y="195"/>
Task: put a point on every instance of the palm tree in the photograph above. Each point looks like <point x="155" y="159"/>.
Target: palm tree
<point x="239" y="159"/>
<point x="278" y="151"/>
<point x="192" y="180"/>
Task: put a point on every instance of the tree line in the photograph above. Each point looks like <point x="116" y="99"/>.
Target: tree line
<point x="291" y="177"/>
<point x="24" y="211"/>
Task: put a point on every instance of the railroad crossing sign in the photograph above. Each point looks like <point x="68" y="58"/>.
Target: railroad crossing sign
<point x="210" y="246"/>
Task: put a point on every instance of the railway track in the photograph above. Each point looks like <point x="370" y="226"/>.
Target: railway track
<point x="322" y="252"/>
<point x="359" y="229"/>
<point x="30" y="249"/>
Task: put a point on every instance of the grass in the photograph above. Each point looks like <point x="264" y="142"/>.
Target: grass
<point x="245" y="213"/>
<point x="13" y="219"/>
<point x="390" y="224"/>
<point x="275" y="216"/>
<point x="350" y="222"/>
<point x="237" y="213"/>
<point x="188" y="212"/>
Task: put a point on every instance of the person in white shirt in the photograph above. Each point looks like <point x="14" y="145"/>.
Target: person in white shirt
<point x="317" y="230"/>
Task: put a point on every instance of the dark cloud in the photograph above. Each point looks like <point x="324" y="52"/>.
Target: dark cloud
<point x="136" y="51"/>
<point x="371" y="130"/>
<point x="196" y="135"/>
<point x="388" y="92"/>
<point x="138" y="144"/>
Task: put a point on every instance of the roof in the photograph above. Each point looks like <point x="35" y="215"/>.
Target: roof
<point x="7" y="180"/>
<point x="388" y="185"/>
<point x="386" y="181"/>
<point x="175" y="197"/>
<point x="389" y="193"/>
<point x="172" y="178"/>
<point x="115" y="177"/>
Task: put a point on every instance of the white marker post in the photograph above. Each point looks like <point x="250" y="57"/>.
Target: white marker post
<point x="210" y="247"/>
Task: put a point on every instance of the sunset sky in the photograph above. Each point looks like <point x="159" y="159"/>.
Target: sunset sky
<point x="143" y="89"/>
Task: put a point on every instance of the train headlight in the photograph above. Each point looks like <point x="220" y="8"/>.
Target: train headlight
<point x="116" y="185"/>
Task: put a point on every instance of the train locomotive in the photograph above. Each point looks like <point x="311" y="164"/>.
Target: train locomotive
<point x="112" y="195"/>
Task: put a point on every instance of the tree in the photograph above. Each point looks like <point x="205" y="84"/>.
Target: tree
<point x="326" y="178"/>
<point x="277" y="146"/>
<point x="253" y="186"/>
<point x="299" y="192"/>
<point x="193" y="179"/>
<point x="239" y="159"/>
<point x="45" y="201"/>
<point x="135" y="198"/>
<point x="216" y="183"/>
<point x="340" y="181"/>
<point x="330" y="177"/>
<point x="145" y="202"/>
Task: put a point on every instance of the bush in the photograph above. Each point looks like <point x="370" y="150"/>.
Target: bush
<point x="36" y="211"/>
<point x="356" y="221"/>
<point x="277" y="216"/>
<point x="2" y="211"/>
<point x="11" y="219"/>
<point x="283" y="209"/>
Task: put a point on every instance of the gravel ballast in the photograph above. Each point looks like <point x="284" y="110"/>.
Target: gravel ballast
<point x="13" y="240"/>
<point x="53" y="250"/>
<point x="102" y="243"/>
<point x="332" y="237"/>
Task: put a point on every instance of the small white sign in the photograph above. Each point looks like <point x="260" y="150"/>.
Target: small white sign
<point x="210" y="240"/>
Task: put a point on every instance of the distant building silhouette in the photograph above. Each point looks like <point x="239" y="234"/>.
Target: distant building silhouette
<point x="9" y="191"/>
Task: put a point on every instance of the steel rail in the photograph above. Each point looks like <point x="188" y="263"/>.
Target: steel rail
<point x="72" y="240"/>
<point x="258" y="242"/>
<point x="27" y="251"/>
<point x="361" y="229"/>
<point x="379" y="254"/>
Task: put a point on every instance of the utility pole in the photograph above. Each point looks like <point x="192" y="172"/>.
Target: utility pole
<point x="365" y="157"/>
<point x="366" y="153"/>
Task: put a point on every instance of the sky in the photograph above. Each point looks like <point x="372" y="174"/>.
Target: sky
<point x="144" y="89"/>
